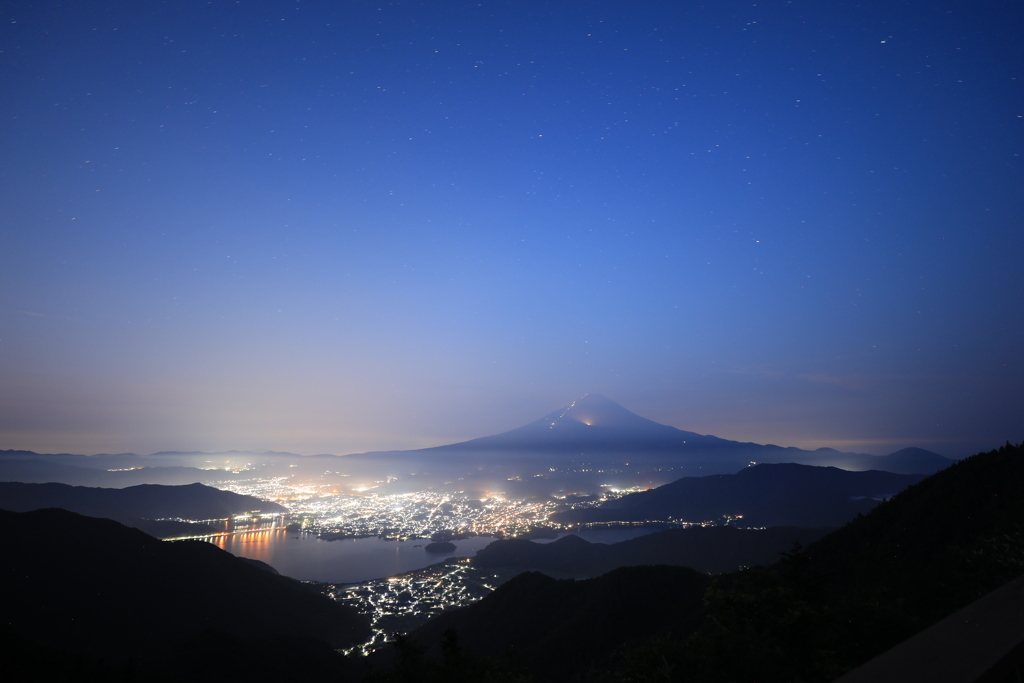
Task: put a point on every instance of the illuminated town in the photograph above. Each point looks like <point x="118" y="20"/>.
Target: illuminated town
<point x="398" y="604"/>
<point x="424" y="514"/>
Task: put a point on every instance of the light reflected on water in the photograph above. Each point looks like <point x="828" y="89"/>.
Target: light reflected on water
<point x="256" y="544"/>
<point x="305" y="557"/>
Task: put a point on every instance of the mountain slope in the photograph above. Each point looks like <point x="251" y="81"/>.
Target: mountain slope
<point x="709" y="550"/>
<point x="151" y="501"/>
<point x="549" y="626"/>
<point x="152" y="508"/>
<point x="96" y="588"/>
<point x="590" y="423"/>
<point x="914" y="559"/>
<point x="933" y="548"/>
<point x="763" y="495"/>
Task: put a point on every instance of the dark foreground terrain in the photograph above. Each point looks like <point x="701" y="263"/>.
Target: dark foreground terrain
<point x="88" y="599"/>
<point x="709" y="550"/>
<point x="811" y="616"/>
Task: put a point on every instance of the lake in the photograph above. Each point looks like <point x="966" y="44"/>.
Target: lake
<point x="305" y="557"/>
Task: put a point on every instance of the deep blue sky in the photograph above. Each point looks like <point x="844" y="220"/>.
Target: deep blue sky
<point x="342" y="226"/>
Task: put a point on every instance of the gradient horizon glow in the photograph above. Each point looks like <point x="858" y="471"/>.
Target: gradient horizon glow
<point x="350" y="226"/>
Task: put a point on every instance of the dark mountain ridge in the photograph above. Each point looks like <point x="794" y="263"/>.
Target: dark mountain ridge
<point x="149" y="507"/>
<point x="151" y="501"/>
<point x="710" y="550"/>
<point x="786" y="494"/>
<point x="111" y="593"/>
<point x="551" y="626"/>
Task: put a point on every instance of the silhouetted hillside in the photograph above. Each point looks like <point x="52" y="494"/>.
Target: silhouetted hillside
<point x="916" y="558"/>
<point x="966" y="521"/>
<point x="84" y="587"/>
<point x="763" y="495"/>
<point x="816" y="613"/>
<point x="553" y="626"/>
<point x="137" y="506"/>
<point x="710" y="550"/>
<point x="149" y="501"/>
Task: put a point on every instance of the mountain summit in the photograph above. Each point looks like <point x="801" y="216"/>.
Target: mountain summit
<point x="601" y="430"/>
<point x="594" y="410"/>
<point x="591" y="423"/>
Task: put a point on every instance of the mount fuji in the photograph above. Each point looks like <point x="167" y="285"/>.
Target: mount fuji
<point x="598" y="430"/>
<point x="591" y="423"/>
<point x="588" y="444"/>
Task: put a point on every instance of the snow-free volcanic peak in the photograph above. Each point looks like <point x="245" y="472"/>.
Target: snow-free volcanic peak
<point x="591" y="422"/>
<point x="595" y="429"/>
<point x="595" y="410"/>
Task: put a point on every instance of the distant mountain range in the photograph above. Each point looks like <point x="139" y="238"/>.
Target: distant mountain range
<point x="596" y="429"/>
<point x="590" y="442"/>
<point x="150" y="507"/>
<point x="784" y="494"/>
<point x="109" y="471"/>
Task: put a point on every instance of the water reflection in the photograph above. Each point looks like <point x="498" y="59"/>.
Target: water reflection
<point x="256" y="544"/>
<point x="305" y="557"/>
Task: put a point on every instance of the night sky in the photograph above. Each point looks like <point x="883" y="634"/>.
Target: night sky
<point x="346" y="226"/>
